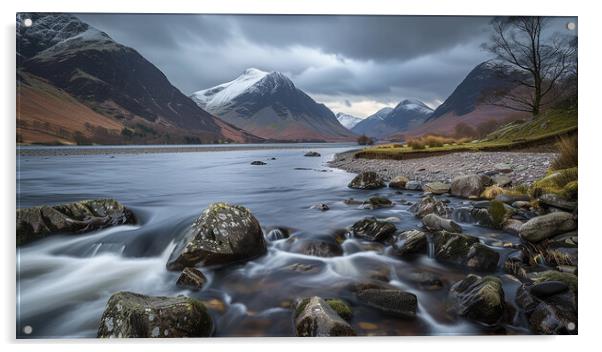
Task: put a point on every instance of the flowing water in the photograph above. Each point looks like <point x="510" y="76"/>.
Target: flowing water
<point x="64" y="281"/>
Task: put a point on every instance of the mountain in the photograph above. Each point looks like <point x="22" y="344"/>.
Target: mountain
<point x="348" y="121"/>
<point x="269" y="105"/>
<point x="470" y="102"/>
<point x="408" y="114"/>
<point x="63" y="57"/>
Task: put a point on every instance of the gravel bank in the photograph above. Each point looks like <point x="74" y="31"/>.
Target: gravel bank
<point x="526" y="167"/>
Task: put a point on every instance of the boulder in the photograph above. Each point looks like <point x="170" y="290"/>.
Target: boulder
<point x="258" y="162"/>
<point x="341" y="307"/>
<point x="316" y="247"/>
<point x="436" y="187"/>
<point x="78" y="217"/>
<point x="478" y="298"/>
<point x="472" y="215"/>
<point x="414" y="186"/>
<point x="314" y="317"/>
<point x="373" y="229"/>
<point x="548" y="288"/>
<point x="191" y="278"/>
<point x="367" y="180"/>
<point x="377" y="203"/>
<point x="512" y="226"/>
<point x="470" y="186"/>
<point x="410" y="242"/>
<point x="390" y="301"/>
<point x="555" y="201"/>
<point x="553" y="312"/>
<point x="511" y="198"/>
<point x="431" y="205"/>
<point x="134" y="315"/>
<point x="503" y="168"/>
<point x="481" y="258"/>
<point x="312" y="154"/>
<point x="436" y="223"/>
<point x="399" y="182"/>
<point x="546" y="226"/>
<point x="222" y="234"/>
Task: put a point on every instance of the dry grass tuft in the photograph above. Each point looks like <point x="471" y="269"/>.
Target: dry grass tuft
<point x="568" y="156"/>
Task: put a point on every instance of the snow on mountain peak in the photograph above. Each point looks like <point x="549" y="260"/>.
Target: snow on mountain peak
<point x="348" y="121"/>
<point x="414" y="104"/>
<point x="218" y="96"/>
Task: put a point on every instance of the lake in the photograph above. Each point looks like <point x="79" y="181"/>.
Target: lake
<point x="64" y="281"/>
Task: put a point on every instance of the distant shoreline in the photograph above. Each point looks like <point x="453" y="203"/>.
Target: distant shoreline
<point x="48" y="151"/>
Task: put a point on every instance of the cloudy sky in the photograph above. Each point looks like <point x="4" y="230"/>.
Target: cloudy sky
<point x="353" y="64"/>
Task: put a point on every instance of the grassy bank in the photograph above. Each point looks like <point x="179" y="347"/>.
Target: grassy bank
<point x="542" y="131"/>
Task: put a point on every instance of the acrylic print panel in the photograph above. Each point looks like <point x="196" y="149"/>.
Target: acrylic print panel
<point x="250" y="175"/>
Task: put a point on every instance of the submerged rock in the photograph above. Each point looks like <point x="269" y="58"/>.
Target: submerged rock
<point x="134" y="315"/>
<point x="550" y="309"/>
<point x="431" y="205"/>
<point x="339" y="306"/>
<point x="478" y="298"/>
<point x="191" y="278"/>
<point x="316" y="248"/>
<point x="78" y="217"/>
<point x="373" y="229"/>
<point x="410" y="242"/>
<point x="377" y="203"/>
<point x="278" y="233"/>
<point x="390" y="301"/>
<point x="258" y="162"/>
<point x="546" y="226"/>
<point x="399" y="182"/>
<point x="314" y="317"/>
<point x="367" y="180"/>
<point x="436" y="223"/>
<point x="221" y="235"/>
<point x="436" y="187"/>
<point x="470" y="186"/>
<point x="312" y="154"/>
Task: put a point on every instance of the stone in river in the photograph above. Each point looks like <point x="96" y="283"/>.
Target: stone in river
<point x="503" y="168"/>
<point x="390" y="301"/>
<point x="481" y="258"/>
<point x="478" y="298"/>
<point x="548" y="288"/>
<point x="431" y="205"/>
<point x="315" y="317"/>
<point x="78" y="217"/>
<point x="367" y="180"/>
<point x="134" y="315"/>
<point x="414" y="186"/>
<point x="316" y="247"/>
<point x="555" y="201"/>
<point x="191" y="278"/>
<point x="436" y="187"/>
<point x="410" y="242"/>
<point x="222" y="234"/>
<point x="399" y="182"/>
<point x="377" y="203"/>
<point x="436" y="223"/>
<point x="258" y="162"/>
<point x="373" y="229"/>
<point x="546" y="226"/>
<point x="312" y="154"/>
<point x="470" y="186"/>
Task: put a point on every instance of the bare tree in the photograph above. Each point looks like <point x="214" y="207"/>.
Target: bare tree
<point x="536" y="61"/>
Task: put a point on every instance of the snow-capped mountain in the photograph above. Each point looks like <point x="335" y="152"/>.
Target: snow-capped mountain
<point x="406" y="115"/>
<point x="269" y="105"/>
<point x="348" y="121"/>
<point x="112" y="80"/>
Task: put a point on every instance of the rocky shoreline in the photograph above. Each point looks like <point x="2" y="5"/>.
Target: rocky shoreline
<point x="522" y="167"/>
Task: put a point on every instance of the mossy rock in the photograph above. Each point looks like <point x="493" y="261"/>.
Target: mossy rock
<point x="498" y="213"/>
<point x="340" y="307"/>
<point x="492" y="191"/>
<point x="571" y="190"/>
<point x="478" y="298"/>
<point x="552" y="275"/>
<point x="554" y="183"/>
<point x="77" y="217"/>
